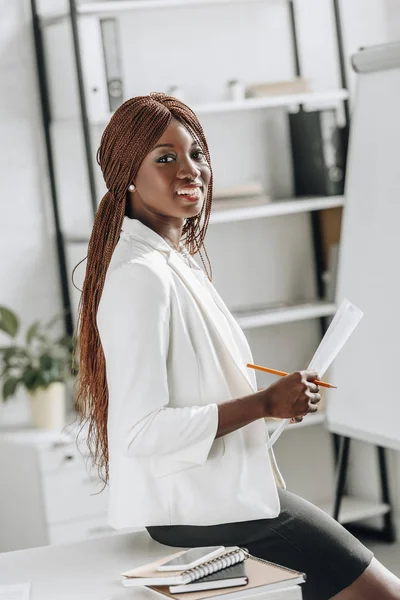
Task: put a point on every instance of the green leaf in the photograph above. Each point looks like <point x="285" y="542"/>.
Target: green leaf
<point x="46" y="362"/>
<point x="30" y="378"/>
<point x="8" y="321"/>
<point x="14" y="355"/>
<point x="9" y="387"/>
<point x="32" y="331"/>
<point x="7" y="349"/>
<point x="40" y="381"/>
<point x="9" y="352"/>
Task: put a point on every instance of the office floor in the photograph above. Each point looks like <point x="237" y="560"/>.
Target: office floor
<point x="387" y="554"/>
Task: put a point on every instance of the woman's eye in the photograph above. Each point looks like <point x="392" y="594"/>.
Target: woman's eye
<point x="199" y="155"/>
<point x="166" y="159"/>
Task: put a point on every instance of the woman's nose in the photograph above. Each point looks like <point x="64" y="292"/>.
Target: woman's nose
<point x="188" y="169"/>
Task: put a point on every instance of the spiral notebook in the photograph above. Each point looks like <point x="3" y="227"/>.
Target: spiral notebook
<point x="261" y="575"/>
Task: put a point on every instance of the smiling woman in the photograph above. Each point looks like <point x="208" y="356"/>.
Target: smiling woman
<point x="176" y="423"/>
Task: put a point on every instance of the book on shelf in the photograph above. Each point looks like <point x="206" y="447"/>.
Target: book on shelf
<point x="298" y="85"/>
<point x="248" y="574"/>
<point x="242" y="195"/>
<point x="112" y="62"/>
<point x="239" y="190"/>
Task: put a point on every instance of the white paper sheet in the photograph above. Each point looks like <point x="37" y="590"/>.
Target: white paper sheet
<point x="342" y="326"/>
<point x="17" y="591"/>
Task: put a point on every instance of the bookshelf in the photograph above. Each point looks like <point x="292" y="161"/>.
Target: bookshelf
<point x="263" y="317"/>
<point x="123" y="6"/>
<point x="250" y="318"/>
<point x="320" y="99"/>
<point x="356" y="509"/>
<point x="276" y="208"/>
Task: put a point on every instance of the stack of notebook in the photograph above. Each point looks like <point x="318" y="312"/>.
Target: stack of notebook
<point x="233" y="573"/>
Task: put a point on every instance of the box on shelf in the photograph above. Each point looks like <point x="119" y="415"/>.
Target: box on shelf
<point x="298" y="85"/>
<point x="242" y="195"/>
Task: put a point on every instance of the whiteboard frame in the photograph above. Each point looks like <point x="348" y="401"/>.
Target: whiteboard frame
<point x="377" y="58"/>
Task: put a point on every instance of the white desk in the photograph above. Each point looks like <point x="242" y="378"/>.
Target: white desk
<point x="90" y="570"/>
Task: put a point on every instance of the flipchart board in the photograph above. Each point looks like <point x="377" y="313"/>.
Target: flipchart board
<point x="366" y="405"/>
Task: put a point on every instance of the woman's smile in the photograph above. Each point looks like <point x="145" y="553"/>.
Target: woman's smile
<point x="192" y="193"/>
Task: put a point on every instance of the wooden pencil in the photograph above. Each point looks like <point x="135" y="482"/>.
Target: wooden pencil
<point x="283" y="373"/>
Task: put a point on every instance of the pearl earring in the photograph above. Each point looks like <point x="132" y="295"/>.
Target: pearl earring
<point x="132" y="188"/>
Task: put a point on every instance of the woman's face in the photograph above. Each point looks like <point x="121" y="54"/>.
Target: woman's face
<point x="173" y="179"/>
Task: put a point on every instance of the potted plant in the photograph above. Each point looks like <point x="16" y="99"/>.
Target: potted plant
<point x="42" y="365"/>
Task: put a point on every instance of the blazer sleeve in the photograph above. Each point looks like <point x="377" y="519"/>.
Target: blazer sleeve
<point x="134" y="322"/>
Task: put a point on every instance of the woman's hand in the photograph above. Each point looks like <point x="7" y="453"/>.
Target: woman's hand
<point x="292" y="396"/>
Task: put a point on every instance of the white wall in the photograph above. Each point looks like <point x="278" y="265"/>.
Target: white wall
<point x="28" y="270"/>
<point x="28" y="263"/>
<point x="393" y="19"/>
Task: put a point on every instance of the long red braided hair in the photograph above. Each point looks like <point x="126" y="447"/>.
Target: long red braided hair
<point x="131" y="133"/>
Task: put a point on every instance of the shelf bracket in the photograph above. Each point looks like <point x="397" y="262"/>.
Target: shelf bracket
<point x="387" y="533"/>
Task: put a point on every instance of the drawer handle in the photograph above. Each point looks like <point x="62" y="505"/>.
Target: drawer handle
<point x="68" y="457"/>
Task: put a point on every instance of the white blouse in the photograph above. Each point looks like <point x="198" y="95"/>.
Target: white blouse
<point x="173" y="352"/>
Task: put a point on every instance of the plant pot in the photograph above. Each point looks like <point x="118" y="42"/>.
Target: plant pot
<point x="48" y="406"/>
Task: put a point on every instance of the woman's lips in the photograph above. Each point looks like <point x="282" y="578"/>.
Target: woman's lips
<point x="193" y="195"/>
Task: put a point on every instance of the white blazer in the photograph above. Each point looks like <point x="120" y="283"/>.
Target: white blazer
<point x="173" y="352"/>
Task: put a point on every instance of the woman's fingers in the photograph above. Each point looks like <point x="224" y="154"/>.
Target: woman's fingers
<point x="313" y="387"/>
<point x="309" y="375"/>
<point x="313" y="398"/>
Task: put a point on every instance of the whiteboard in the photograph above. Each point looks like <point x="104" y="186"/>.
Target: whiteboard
<point x="366" y="405"/>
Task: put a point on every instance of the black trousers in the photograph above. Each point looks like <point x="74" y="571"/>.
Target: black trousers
<point x="302" y="537"/>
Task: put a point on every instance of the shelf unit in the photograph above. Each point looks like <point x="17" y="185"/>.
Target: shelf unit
<point x="276" y="208"/>
<point x="250" y="319"/>
<point x="356" y="509"/>
<point x="306" y="99"/>
<point x="124" y="5"/>
<point x="351" y="509"/>
<point x="110" y="8"/>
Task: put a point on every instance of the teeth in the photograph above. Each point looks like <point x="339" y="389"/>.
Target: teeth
<point x="190" y="192"/>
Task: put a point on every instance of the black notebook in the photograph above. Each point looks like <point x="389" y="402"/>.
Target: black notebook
<point x="229" y="577"/>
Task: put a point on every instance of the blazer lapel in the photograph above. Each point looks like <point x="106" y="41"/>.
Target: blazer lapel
<point x="211" y="311"/>
<point x="209" y="308"/>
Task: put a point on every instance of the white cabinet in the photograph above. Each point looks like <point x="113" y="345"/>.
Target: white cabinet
<point x="47" y="495"/>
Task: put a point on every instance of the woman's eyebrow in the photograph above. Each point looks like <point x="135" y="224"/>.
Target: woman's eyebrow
<point x="164" y="145"/>
<point x="194" y="143"/>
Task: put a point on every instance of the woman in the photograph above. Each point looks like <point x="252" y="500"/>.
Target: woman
<point x="176" y="423"/>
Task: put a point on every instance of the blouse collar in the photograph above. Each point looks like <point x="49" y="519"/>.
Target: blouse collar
<point x="141" y="231"/>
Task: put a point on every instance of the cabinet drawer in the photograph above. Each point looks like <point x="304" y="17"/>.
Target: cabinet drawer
<point x="75" y="531"/>
<point x="72" y="495"/>
<point x="60" y="457"/>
